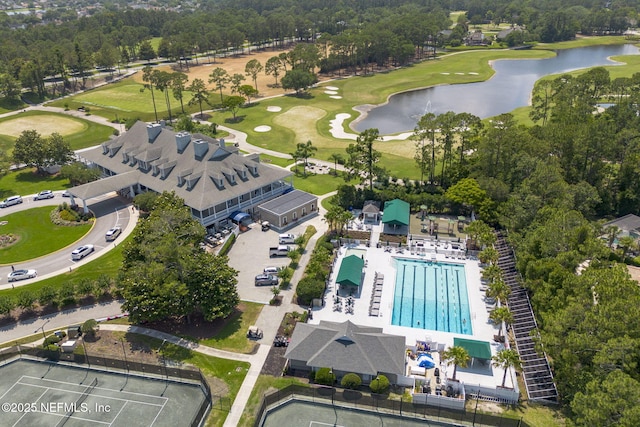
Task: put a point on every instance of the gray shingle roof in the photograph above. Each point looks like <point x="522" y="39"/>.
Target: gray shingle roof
<point x="288" y="202"/>
<point x="348" y="347"/>
<point x="199" y="163"/>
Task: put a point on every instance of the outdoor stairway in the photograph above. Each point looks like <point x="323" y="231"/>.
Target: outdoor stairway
<point x="536" y="371"/>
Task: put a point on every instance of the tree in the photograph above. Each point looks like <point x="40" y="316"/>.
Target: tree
<point x="89" y="327"/>
<point x="426" y="130"/>
<point x="506" y="359"/>
<point x="9" y="86"/>
<point x="163" y="81"/>
<point x="145" y="51"/>
<point x="178" y="83"/>
<point x="298" y="80"/>
<point x="33" y="150"/>
<point x="499" y="290"/>
<point x="611" y="400"/>
<point x="499" y="315"/>
<point x="303" y="152"/>
<point x="489" y="255"/>
<point x="252" y="69"/>
<point x="336" y="158"/>
<point x="626" y="243"/>
<point x="145" y="201"/>
<point x="220" y="78"/>
<point x="467" y="192"/>
<point x="458" y="356"/>
<point x="233" y="104"/>
<point x="248" y="92"/>
<point x="200" y="94"/>
<point x="148" y="76"/>
<point x="363" y="158"/>
<point x="165" y="274"/>
<point x="78" y="173"/>
<point x="274" y="67"/>
<point x="236" y="82"/>
<point x="5" y="163"/>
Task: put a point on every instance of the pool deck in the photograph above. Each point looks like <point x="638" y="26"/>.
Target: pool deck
<point x="380" y="260"/>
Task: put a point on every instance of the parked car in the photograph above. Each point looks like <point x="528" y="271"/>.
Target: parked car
<point x="113" y="234"/>
<point x="281" y="250"/>
<point x="281" y="341"/>
<point x="10" y="201"/>
<point x="266" y="280"/>
<point x="22" y="274"/>
<point x="254" y="333"/>
<point x="46" y="194"/>
<point x="265" y="226"/>
<point x="66" y="194"/>
<point x="81" y="252"/>
<point x="272" y="270"/>
<point x="286" y="238"/>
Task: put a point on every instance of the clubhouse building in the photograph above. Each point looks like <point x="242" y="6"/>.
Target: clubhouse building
<point x="214" y="180"/>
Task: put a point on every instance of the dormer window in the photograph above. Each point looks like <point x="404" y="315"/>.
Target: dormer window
<point x="125" y="157"/>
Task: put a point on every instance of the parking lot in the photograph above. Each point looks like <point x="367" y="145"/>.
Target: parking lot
<point x="250" y="255"/>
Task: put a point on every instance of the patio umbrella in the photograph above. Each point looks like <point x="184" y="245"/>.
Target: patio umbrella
<point x="426" y="361"/>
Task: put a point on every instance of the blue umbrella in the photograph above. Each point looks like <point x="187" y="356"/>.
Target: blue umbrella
<point x="426" y="361"/>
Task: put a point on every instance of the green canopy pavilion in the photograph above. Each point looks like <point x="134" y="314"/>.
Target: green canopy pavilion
<point x="350" y="273"/>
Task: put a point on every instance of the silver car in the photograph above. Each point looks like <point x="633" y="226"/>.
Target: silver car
<point x="46" y="194"/>
<point x="113" y="234"/>
<point x="266" y="280"/>
<point x="81" y="252"/>
<point x="10" y="201"/>
<point x="22" y="274"/>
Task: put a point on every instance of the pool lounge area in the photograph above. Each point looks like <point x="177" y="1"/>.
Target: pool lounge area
<point x="392" y="295"/>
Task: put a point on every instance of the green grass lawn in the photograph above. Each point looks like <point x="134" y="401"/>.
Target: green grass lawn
<point x="233" y="337"/>
<point x="38" y="235"/>
<point x="318" y="184"/>
<point x="108" y="264"/>
<point x="26" y="181"/>
<point x="91" y="133"/>
<point x="279" y="161"/>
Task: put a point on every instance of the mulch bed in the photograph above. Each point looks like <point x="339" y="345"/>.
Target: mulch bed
<point x="198" y="328"/>
<point x="275" y="362"/>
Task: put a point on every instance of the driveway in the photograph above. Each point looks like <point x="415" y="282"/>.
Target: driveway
<point x="110" y="210"/>
<point x="250" y="255"/>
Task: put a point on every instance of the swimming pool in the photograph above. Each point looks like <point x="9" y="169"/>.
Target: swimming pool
<point x="431" y="295"/>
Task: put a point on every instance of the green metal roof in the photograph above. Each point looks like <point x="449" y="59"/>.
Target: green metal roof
<point x="476" y="349"/>
<point x="396" y="212"/>
<point x="350" y="271"/>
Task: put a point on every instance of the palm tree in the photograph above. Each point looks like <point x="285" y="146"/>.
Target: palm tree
<point x="489" y="255"/>
<point x="336" y="158"/>
<point x="499" y="315"/>
<point x="492" y="273"/>
<point x="499" y="290"/>
<point x="626" y="243"/>
<point x="458" y="356"/>
<point x="612" y="234"/>
<point x="506" y="359"/>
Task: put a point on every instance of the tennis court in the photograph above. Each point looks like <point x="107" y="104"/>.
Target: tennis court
<point x="297" y="413"/>
<point x="37" y="393"/>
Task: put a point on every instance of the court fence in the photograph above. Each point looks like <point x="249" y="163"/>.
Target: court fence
<point x="381" y="404"/>
<point x="180" y="374"/>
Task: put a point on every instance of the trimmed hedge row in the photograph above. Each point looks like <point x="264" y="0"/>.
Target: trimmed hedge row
<point x="312" y="285"/>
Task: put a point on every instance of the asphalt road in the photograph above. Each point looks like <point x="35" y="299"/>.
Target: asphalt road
<point x="110" y="210"/>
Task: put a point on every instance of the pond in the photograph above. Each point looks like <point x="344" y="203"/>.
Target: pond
<point x="509" y="88"/>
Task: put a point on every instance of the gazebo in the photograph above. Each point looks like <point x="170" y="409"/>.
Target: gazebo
<point x="350" y="273"/>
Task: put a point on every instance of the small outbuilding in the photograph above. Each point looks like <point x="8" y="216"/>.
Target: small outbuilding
<point x="350" y="273"/>
<point x="371" y="211"/>
<point x="395" y="217"/>
<point x="285" y="211"/>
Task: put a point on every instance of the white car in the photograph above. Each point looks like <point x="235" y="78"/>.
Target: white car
<point x="46" y="194"/>
<point x="113" y="234"/>
<point x="10" y="201"/>
<point x="81" y="252"/>
<point x="22" y="274"/>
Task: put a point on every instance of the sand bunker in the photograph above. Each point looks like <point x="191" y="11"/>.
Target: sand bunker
<point x="262" y="128"/>
<point x="445" y="74"/>
<point x="274" y="108"/>
<point x="459" y="74"/>
<point x="330" y="92"/>
<point x="44" y="124"/>
<point x="331" y="88"/>
<point x="472" y="73"/>
<point x="335" y="97"/>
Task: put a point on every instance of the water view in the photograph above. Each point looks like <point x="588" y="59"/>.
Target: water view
<point x="508" y="89"/>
